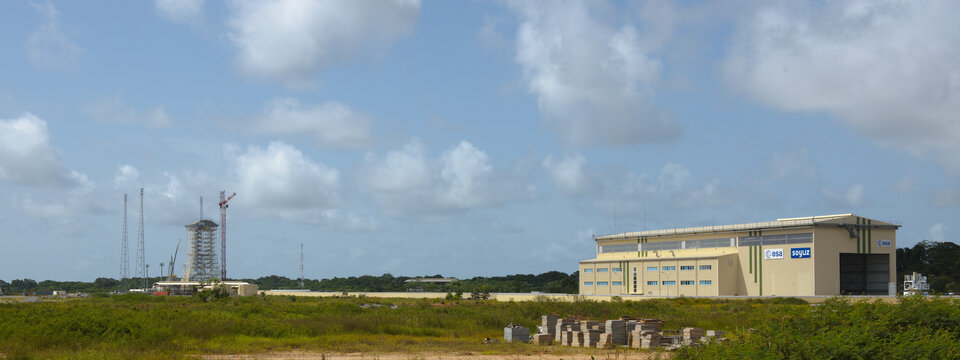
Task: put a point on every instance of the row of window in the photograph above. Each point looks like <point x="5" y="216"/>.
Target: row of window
<point x="650" y="283"/>
<point x="674" y="268"/>
<point x="603" y="270"/>
<point x="602" y="283"/>
<point x="711" y="243"/>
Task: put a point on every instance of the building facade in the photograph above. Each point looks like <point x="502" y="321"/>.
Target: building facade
<point x="820" y="255"/>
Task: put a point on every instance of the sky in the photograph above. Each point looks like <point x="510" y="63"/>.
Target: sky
<point x="462" y="138"/>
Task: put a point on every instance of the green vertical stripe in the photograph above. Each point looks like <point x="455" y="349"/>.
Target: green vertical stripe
<point x="756" y="267"/>
<point x="858" y="235"/>
<point x="870" y="237"/>
<point x="760" y="260"/>
<point x="750" y="250"/>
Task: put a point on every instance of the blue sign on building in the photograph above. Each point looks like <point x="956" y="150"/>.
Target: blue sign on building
<point x="799" y="253"/>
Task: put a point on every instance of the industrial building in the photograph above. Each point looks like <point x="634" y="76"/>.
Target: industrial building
<point x="809" y="256"/>
<point x="235" y="288"/>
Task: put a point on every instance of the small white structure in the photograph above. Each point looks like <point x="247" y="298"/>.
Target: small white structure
<point x="915" y="284"/>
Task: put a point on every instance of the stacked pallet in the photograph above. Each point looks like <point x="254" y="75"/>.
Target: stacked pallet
<point x="565" y="325"/>
<point x="586" y="325"/>
<point x="692" y="335"/>
<point x="576" y="338"/>
<point x="617" y="330"/>
<point x="548" y="325"/>
<point x="605" y="341"/>
<point x="542" y="339"/>
<point x="517" y="333"/>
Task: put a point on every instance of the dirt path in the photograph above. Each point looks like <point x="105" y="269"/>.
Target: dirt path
<point x="632" y="355"/>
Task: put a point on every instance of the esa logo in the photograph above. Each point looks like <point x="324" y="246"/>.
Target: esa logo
<point x="799" y="253"/>
<point x="771" y="254"/>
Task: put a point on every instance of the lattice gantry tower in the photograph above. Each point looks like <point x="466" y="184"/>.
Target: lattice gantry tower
<point x="202" y="260"/>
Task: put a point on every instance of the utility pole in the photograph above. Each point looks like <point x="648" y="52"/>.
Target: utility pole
<point x="146" y="279"/>
<point x="301" y="265"/>
<point x="124" y="247"/>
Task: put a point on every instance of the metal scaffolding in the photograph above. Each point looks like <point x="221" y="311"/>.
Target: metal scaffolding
<point x="202" y="256"/>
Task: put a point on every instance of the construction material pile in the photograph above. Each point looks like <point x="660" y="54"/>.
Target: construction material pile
<point x="626" y="331"/>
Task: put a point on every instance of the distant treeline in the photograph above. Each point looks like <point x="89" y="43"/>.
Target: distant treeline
<point x="938" y="261"/>
<point x="551" y="282"/>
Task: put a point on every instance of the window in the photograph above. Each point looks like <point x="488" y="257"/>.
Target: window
<point x="669" y="268"/>
<point x="588" y="283"/>
<point x="686" y="282"/>
<point x="603" y="270"/>
<point x="634" y="279"/>
<point x="616" y="269"/>
<point x="669" y="282"/>
<point x="706" y="267"/>
<point x="617" y="283"/>
<point x="652" y="283"/>
<point x="602" y="283"/>
<point x="619" y="248"/>
<point x="587" y="270"/>
<point x="776" y="239"/>
<point x="651" y="268"/>
<point x="686" y="267"/>
<point x="706" y="282"/>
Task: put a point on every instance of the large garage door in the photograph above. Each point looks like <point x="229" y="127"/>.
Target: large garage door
<point x="866" y="274"/>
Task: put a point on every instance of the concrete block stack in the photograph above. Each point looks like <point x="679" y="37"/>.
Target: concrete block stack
<point x="605" y="341"/>
<point x="591" y="338"/>
<point x="542" y="339"/>
<point x="714" y="333"/>
<point x="650" y="340"/>
<point x="565" y="325"/>
<point x="576" y="338"/>
<point x="692" y="335"/>
<point x="591" y="325"/>
<point x="617" y="330"/>
<point x="548" y="325"/>
<point x="518" y="333"/>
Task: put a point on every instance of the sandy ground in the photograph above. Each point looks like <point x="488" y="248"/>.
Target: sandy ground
<point x="613" y="355"/>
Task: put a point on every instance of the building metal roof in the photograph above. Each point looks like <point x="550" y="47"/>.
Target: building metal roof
<point x="838" y="220"/>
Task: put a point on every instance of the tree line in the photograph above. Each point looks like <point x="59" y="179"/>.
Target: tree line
<point x="550" y="282"/>
<point x="938" y="261"/>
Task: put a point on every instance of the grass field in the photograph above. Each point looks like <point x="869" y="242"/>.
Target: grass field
<point x="132" y="326"/>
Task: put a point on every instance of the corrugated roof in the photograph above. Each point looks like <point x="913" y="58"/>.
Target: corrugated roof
<point x="810" y="221"/>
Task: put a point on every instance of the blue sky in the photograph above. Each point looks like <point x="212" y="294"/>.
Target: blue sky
<point x="463" y="137"/>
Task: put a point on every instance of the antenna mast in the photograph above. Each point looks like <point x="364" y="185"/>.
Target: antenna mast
<point x="301" y="265"/>
<point x="201" y="207"/>
<point x="223" y="233"/>
<point x="141" y="259"/>
<point x="124" y="248"/>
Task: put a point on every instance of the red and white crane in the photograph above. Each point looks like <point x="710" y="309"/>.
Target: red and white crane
<point x="223" y="233"/>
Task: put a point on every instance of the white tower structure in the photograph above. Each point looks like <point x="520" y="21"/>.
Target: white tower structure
<point x="124" y="245"/>
<point x="202" y="261"/>
<point x="141" y="258"/>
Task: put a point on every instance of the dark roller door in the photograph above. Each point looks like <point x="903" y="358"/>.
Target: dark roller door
<point x="866" y="274"/>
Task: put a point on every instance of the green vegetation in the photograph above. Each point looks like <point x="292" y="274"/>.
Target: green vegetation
<point x="551" y="282"/>
<point x="939" y="261"/>
<point x="918" y="328"/>
<point x="141" y="326"/>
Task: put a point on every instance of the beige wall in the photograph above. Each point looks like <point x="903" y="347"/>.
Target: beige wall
<point x="740" y="271"/>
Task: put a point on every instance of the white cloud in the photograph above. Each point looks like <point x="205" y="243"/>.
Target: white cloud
<point x="399" y="170"/>
<point x="280" y="176"/>
<point x="290" y="40"/>
<point x="853" y="197"/>
<point x="593" y="81"/>
<point x="888" y="68"/>
<point x="27" y="158"/>
<point x="408" y="183"/>
<point x="794" y="164"/>
<point x="126" y="176"/>
<point x="331" y="123"/>
<point x="47" y="46"/>
<point x="181" y="11"/>
<point x="569" y="174"/>
<point x="114" y="110"/>
<point x="938" y="232"/>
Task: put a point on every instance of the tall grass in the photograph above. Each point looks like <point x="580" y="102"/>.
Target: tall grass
<point x="137" y="326"/>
